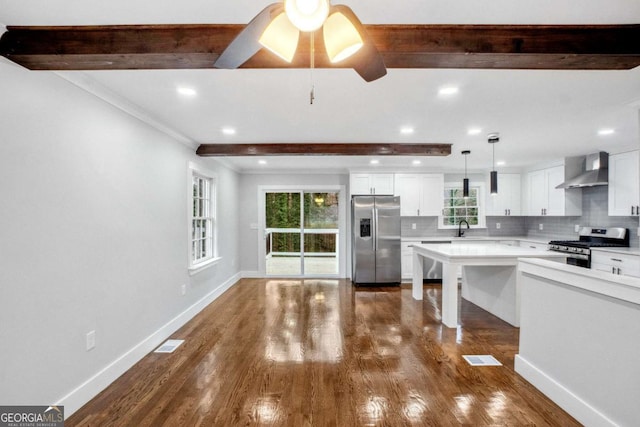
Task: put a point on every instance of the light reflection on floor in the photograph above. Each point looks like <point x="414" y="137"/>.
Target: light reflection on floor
<point x="307" y="327"/>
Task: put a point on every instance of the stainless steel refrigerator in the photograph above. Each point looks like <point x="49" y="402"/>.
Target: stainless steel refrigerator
<point x="375" y="243"/>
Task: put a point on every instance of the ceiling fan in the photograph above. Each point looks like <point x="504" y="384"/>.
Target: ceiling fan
<point x="277" y="28"/>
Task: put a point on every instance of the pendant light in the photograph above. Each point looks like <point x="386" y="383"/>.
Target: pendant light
<point x="465" y="181"/>
<point x="493" y="138"/>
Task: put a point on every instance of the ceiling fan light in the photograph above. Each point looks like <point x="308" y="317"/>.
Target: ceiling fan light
<point x="281" y="37"/>
<point x="341" y="37"/>
<point x="307" y="15"/>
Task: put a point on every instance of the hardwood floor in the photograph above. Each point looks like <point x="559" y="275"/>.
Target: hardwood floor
<point x="323" y="353"/>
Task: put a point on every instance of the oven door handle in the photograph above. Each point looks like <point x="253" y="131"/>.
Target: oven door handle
<point x="578" y="256"/>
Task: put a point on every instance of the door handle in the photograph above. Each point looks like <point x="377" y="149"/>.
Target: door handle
<point x="375" y="228"/>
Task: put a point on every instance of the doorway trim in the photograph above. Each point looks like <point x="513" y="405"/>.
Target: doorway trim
<point x="342" y="224"/>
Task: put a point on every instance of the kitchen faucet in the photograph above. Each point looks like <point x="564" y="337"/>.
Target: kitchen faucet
<point x="460" y="232"/>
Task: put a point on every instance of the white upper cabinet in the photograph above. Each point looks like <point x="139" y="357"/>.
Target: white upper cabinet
<point x="545" y="199"/>
<point x="624" y="184"/>
<point x="371" y="183"/>
<point x="420" y="194"/>
<point x="507" y="201"/>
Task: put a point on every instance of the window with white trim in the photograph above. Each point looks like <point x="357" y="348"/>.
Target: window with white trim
<point x="458" y="208"/>
<point x="202" y="248"/>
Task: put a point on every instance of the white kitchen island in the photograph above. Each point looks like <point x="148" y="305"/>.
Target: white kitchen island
<point x="579" y="340"/>
<point x="489" y="276"/>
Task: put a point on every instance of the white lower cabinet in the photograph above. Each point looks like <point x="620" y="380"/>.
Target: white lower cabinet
<point x="406" y="260"/>
<point x="432" y="269"/>
<point x="615" y="263"/>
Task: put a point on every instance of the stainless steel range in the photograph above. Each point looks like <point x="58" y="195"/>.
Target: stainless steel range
<point x="579" y="251"/>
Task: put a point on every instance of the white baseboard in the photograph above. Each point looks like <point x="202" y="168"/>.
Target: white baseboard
<point x="97" y="383"/>
<point x="251" y="275"/>
<point x="560" y="395"/>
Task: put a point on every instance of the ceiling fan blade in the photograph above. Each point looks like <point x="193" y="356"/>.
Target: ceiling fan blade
<point x="246" y="44"/>
<point x="367" y="61"/>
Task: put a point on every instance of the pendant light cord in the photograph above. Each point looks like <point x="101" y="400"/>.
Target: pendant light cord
<point x="493" y="157"/>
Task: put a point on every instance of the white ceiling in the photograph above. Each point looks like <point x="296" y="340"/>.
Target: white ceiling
<point x="541" y="115"/>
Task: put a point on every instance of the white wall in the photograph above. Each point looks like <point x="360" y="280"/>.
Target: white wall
<point x="93" y="236"/>
<point x="249" y="212"/>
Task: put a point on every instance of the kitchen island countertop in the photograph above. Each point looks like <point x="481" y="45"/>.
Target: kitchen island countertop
<point x="488" y="276"/>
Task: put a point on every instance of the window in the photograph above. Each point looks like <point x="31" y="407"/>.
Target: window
<point x="458" y="208"/>
<point x="202" y="248"/>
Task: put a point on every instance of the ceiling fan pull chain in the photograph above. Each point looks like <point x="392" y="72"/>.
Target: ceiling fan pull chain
<point x="312" y="61"/>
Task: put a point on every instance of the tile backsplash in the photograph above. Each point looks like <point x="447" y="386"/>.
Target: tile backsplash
<point x="594" y="213"/>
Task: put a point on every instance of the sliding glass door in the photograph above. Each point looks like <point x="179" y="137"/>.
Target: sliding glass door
<point x="301" y="233"/>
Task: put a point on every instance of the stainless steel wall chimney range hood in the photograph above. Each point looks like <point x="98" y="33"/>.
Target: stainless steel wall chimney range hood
<point x="596" y="172"/>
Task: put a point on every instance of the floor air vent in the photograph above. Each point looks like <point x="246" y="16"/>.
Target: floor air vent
<point x="169" y="346"/>
<point x="482" y="360"/>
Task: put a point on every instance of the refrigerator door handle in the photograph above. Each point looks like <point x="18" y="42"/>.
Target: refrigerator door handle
<point x="375" y="229"/>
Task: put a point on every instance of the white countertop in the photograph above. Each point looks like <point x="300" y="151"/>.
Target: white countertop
<point x="624" y="251"/>
<point x="625" y="288"/>
<point x="473" y="238"/>
<point x="477" y="250"/>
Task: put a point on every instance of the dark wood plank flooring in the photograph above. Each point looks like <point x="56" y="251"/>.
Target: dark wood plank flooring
<point x="323" y="353"/>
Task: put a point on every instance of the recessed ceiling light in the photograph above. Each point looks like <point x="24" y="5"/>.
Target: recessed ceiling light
<point x="474" y="131"/>
<point x="186" y="91"/>
<point x="416" y="162"/>
<point x="262" y="162"/>
<point x="500" y="163"/>
<point x="406" y="130"/>
<point x="448" y="90"/>
<point x="228" y="131"/>
<point x="374" y="162"/>
<point x="603" y="132"/>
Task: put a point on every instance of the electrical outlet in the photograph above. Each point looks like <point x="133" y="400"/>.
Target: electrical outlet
<point x="183" y="289"/>
<point x="576" y="228"/>
<point x="541" y="227"/>
<point x="91" y="340"/>
<point x="498" y="225"/>
<point x="413" y="226"/>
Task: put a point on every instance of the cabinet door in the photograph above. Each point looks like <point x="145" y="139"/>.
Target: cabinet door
<point x="409" y="187"/>
<point x="514" y="192"/>
<point x="555" y="196"/>
<point x="406" y="260"/>
<point x="432" y="195"/>
<point x="624" y="183"/>
<point x="627" y="265"/>
<point x="537" y="192"/>
<point x="508" y="200"/>
<point x="382" y="183"/>
<point x="360" y="183"/>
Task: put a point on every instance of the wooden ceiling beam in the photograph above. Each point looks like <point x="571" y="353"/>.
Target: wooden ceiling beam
<point x="401" y="46"/>
<point x="324" y="149"/>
